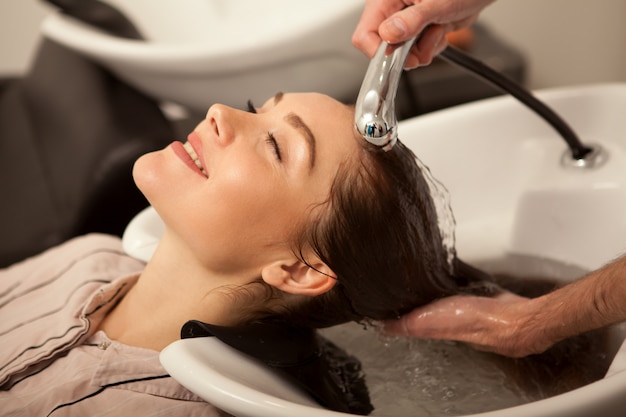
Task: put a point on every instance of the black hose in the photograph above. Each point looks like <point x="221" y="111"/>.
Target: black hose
<point x="459" y="58"/>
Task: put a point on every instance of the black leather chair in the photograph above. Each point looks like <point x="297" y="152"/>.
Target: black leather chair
<point x="70" y="132"/>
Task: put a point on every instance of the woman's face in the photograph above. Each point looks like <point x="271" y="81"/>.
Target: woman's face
<point x="261" y="175"/>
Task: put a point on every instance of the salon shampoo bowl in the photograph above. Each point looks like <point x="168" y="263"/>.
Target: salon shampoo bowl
<point x="200" y="52"/>
<point x="510" y="195"/>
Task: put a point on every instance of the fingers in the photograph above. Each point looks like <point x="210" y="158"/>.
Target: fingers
<point x="404" y="24"/>
<point x="396" y="21"/>
<point x="367" y="42"/>
<point x="366" y="36"/>
<point x="396" y="327"/>
<point x="482" y="322"/>
<point x="378" y="22"/>
<point x="430" y="44"/>
<point x="440" y="319"/>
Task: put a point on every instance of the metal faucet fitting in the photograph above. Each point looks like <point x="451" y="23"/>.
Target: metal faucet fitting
<point x="375" y="113"/>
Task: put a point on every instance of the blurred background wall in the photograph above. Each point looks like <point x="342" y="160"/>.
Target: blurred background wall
<point x="19" y="32"/>
<point x="565" y="41"/>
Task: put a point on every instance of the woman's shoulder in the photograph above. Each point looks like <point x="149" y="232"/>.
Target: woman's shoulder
<point x="94" y="248"/>
<point x="91" y="242"/>
<point x="44" y="300"/>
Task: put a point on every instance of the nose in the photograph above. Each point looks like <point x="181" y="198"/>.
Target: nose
<point x="222" y="122"/>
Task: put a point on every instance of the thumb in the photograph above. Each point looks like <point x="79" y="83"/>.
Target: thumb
<point x="403" y="25"/>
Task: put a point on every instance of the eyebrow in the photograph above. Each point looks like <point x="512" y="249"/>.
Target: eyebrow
<point x="295" y="121"/>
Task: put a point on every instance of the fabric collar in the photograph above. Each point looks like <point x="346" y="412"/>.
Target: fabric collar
<point x="136" y="369"/>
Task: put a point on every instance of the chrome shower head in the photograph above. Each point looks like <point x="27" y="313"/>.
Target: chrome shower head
<point x="375" y="112"/>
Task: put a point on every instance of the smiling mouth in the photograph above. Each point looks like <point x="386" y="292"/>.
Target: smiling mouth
<point x="194" y="157"/>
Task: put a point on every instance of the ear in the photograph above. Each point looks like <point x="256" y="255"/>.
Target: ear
<point x="295" y="277"/>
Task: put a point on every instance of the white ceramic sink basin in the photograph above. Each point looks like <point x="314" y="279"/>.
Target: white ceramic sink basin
<point x="200" y="52"/>
<point x="501" y="164"/>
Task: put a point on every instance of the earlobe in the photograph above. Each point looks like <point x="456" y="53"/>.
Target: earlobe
<point x="296" y="277"/>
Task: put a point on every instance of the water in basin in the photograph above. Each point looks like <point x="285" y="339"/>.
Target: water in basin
<point x="408" y="377"/>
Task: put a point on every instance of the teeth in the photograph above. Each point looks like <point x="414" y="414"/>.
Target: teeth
<point x="194" y="157"/>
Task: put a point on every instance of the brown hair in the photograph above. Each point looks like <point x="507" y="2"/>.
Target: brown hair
<point x="378" y="232"/>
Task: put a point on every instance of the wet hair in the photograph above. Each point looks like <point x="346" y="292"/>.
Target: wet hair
<point x="378" y="232"/>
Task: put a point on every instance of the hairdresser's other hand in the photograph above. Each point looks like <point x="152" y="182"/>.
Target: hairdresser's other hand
<point x="487" y="323"/>
<point x="396" y="21"/>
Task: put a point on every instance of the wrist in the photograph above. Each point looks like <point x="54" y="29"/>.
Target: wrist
<point x="586" y="304"/>
<point x="532" y="329"/>
<point x="546" y="322"/>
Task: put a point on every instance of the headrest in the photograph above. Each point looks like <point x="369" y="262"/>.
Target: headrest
<point x="311" y="362"/>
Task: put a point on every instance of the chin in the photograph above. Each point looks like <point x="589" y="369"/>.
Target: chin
<point x="147" y="175"/>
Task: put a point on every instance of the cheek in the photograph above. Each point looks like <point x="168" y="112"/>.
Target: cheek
<point x="248" y="204"/>
<point x="246" y="216"/>
<point x="232" y="229"/>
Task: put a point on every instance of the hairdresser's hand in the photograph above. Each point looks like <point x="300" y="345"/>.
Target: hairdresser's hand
<point x="499" y="324"/>
<point x="396" y="21"/>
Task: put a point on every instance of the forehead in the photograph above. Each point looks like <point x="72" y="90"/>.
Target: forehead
<point x="331" y="121"/>
<point x="319" y="111"/>
<point x="305" y="100"/>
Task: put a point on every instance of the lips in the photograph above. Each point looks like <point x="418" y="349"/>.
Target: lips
<point x="191" y="155"/>
<point x="194" y="157"/>
<point x="196" y="144"/>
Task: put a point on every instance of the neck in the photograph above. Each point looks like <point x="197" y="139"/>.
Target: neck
<point x="172" y="290"/>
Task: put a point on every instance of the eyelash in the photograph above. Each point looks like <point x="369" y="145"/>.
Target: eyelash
<point x="251" y="107"/>
<point x="271" y="139"/>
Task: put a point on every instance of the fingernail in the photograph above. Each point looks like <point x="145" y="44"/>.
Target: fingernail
<point x="410" y="67"/>
<point x="395" y="28"/>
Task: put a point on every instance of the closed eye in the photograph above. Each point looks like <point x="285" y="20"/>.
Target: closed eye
<point x="271" y="140"/>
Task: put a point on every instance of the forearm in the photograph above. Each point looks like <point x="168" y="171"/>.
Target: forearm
<point x="515" y="326"/>
<point x="592" y="302"/>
